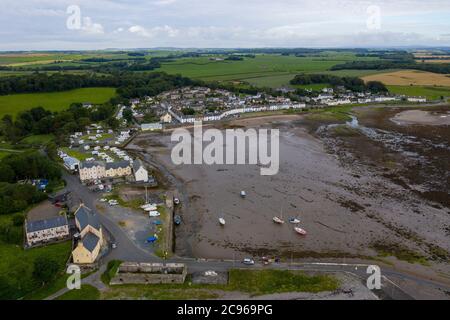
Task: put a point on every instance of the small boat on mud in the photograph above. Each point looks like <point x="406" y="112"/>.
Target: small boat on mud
<point x="243" y="194"/>
<point x="177" y="220"/>
<point x="149" y="206"/>
<point x="300" y="231"/>
<point x="278" y="220"/>
<point x="154" y="214"/>
<point x="222" y="221"/>
<point x="294" y="220"/>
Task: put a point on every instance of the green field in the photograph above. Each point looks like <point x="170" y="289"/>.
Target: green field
<point x="252" y="282"/>
<point x="86" y="292"/>
<point x="53" y="101"/>
<point x="76" y="154"/>
<point x="39" y="140"/>
<point x="16" y="265"/>
<point x="263" y="70"/>
<point x="431" y="93"/>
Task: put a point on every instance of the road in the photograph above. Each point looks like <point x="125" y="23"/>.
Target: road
<point x="127" y="250"/>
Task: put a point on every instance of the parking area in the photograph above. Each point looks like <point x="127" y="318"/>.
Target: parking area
<point x="137" y="225"/>
<point x="44" y="210"/>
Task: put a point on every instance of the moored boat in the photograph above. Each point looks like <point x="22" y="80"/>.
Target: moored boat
<point x="294" y="220"/>
<point x="243" y="194"/>
<point x="222" y="221"/>
<point x="300" y="231"/>
<point x="278" y="220"/>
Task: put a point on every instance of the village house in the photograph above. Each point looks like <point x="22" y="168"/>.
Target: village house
<point x="140" y="173"/>
<point x="117" y="169"/>
<point x="151" y="126"/>
<point x="166" y="118"/>
<point x="90" y="236"/>
<point x="91" y="170"/>
<point x="417" y="99"/>
<point x="47" y="230"/>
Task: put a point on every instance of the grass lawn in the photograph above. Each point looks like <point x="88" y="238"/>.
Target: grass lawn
<point x="86" y="292"/>
<point x="338" y="113"/>
<point x="431" y="93"/>
<point x="4" y="154"/>
<point x="76" y="154"/>
<point x="253" y="282"/>
<point x="16" y="265"/>
<point x="53" y="101"/>
<point x="39" y="140"/>
<point x="258" y="282"/>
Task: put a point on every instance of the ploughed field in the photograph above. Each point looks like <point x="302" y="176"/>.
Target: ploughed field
<point x="357" y="193"/>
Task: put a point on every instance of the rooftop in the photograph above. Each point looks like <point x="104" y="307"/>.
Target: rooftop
<point x="33" y="226"/>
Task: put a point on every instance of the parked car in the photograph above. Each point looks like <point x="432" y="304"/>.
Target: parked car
<point x="248" y="261"/>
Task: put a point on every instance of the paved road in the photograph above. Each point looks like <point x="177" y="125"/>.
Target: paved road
<point x="127" y="250"/>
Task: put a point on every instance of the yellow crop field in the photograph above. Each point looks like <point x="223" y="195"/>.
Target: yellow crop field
<point x="411" y="77"/>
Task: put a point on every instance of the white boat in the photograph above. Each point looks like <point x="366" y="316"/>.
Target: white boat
<point x="294" y="220"/>
<point x="222" y="221"/>
<point x="154" y="214"/>
<point x="278" y="220"/>
<point x="149" y="209"/>
<point x="243" y="194"/>
<point x="300" y="231"/>
<point x="148" y="205"/>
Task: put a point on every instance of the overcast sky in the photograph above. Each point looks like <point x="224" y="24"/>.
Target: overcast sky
<point x="53" y="24"/>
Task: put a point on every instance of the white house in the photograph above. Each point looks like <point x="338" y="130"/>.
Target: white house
<point x="140" y="173"/>
<point x="151" y="126"/>
<point x="46" y="230"/>
<point x="415" y="99"/>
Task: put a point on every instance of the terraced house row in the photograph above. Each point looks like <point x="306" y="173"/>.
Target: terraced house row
<point x="94" y="170"/>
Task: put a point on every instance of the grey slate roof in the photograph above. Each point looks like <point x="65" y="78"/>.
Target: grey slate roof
<point x="137" y="164"/>
<point x="33" y="226"/>
<point x="90" y="241"/>
<point x="85" y="217"/>
<point x="118" y="164"/>
<point x="90" y="164"/>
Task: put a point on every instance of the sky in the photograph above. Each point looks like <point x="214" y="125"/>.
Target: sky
<point x="102" y="24"/>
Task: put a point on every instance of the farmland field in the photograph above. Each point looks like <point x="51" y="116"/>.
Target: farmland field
<point x="53" y="101"/>
<point x="411" y="77"/>
<point x="263" y="70"/>
<point x="431" y="93"/>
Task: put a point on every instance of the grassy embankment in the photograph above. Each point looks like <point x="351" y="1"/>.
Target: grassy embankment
<point x="251" y="282"/>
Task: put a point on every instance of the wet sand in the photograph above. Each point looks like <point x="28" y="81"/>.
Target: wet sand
<point x="421" y="117"/>
<point x="344" y="210"/>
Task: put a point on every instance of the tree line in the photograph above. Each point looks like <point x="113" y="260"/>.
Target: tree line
<point x="443" y="68"/>
<point x="16" y="197"/>
<point x="349" y="83"/>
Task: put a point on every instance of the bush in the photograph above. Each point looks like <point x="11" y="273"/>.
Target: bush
<point x="18" y="219"/>
<point x="45" y="269"/>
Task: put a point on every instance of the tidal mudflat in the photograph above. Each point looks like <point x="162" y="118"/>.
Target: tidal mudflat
<point x="348" y="209"/>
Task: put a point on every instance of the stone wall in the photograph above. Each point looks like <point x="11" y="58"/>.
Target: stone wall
<point x="149" y="273"/>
